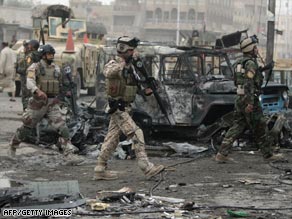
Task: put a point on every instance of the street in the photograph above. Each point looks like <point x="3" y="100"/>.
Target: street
<point x="251" y="185"/>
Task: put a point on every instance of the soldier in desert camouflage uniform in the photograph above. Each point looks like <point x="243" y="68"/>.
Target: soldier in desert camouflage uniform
<point x="44" y="81"/>
<point x="248" y="112"/>
<point x="121" y="88"/>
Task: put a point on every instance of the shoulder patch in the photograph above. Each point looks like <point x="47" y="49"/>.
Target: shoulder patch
<point x="250" y="74"/>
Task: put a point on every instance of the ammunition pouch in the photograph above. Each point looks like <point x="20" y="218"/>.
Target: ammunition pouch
<point x="50" y="87"/>
<point x="116" y="105"/>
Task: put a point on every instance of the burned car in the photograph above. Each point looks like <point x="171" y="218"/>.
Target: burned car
<point x="191" y="86"/>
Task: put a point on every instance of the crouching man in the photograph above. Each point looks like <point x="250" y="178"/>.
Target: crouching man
<point x="44" y="82"/>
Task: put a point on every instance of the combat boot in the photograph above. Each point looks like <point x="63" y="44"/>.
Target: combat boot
<point x="275" y="157"/>
<point x="153" y="171"/>
<point x="102" y="174"/>
<point x="220" y="158"/>
<point x="69" y="149"/>
<point x="67" y="146"/>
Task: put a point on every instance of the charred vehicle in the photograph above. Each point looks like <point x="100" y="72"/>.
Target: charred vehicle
<point x="195" y="93"/>
<point x="191" y="86"/>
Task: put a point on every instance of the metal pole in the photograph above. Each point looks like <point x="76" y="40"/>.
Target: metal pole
<point x="177" y="22"/>
<point x="270" y="34"/>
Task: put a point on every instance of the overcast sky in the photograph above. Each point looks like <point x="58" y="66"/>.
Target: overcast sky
<point x="66" y="2"/>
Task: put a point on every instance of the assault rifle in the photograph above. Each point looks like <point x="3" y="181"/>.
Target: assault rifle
<point x="68" y="72"/>
<point x="151" y="83"/>
<point x="269" y="67"/>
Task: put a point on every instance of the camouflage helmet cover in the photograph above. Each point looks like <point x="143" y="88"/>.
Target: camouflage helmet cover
<point x="247" y="44"/>
<point x="126" y="43"/>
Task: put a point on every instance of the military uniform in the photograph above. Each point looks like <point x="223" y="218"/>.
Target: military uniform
<point x="68" y="85"/>
<point x="23" y="62"/>
<point x="121" y="88"/>
<point x="248" y="80"/>
<point x="48" y="79"/>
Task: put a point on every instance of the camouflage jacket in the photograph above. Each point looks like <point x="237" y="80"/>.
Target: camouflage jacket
<point x="25" y="60"/>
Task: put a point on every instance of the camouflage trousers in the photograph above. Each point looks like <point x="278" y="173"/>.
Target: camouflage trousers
<point x="25" y="93"/>
<point x="121" y="122"/>
<point x="33" y="115"/>
<point x="255" y="121"/>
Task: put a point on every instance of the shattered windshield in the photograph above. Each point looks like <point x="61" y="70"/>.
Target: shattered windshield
<point x="57" y="29"/>
<point x="180" y="68"/>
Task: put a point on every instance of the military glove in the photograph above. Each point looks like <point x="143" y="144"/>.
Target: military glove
<point x="249" y="108"/>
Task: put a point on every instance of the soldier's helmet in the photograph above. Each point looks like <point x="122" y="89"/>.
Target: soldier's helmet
<point x="34" y="44"/>
<point x="44" y="49"/>
<point x="126" y="43"/>
<point x="248" y="44"/>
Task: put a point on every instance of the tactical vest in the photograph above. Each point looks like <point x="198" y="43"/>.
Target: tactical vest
<point x="239" y="78"/>
<point x="48" y="79"/>
<point x="124" y="87"/>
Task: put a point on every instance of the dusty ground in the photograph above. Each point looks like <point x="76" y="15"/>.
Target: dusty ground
<point x="261" y="189"/>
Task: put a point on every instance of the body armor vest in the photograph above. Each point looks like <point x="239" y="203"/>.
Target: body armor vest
<point x="240" y="72"/>
<point x="124" y="87"/>
<point x="48" y="79"/>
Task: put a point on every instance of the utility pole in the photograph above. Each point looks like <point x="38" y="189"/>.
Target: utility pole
<point x="177" y="22"/>
<point x="270" y="33"/>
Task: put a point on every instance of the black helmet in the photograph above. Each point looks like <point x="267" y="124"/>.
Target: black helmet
<point x="46" y="49"/>
<point x="34" y="44"/>
<point x="126" y="43"/>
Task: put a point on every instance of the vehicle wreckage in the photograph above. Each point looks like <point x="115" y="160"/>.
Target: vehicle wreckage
<point x="193" y="98"/>
<point x="194" y="93"/>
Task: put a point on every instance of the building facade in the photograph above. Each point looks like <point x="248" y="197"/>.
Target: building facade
<point x="167" y="20"/>
<point x="15" y="22"/>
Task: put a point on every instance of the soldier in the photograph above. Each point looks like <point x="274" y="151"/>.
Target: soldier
<point x="24" y="60"/>
<point x="44" y="82"/>
<point x="248" y="112"/>
<point x="121" y="88"/>
<point x="68" y="88"/>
